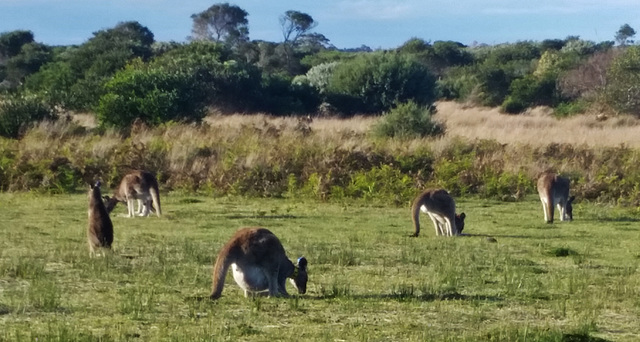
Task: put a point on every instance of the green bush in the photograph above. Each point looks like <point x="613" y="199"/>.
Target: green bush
<point x="408" y="120"/>
<point x="623" y="89"/>
<point x="375" y="82"/>
<point x="280" y="96"/>
<point x="18" y="111"/>
<point x="566" y="109"/>
<point x="384" y="183"/>
<point x="153" y="95"/>
<point x="530" y="91"/>
<point x="513" y="106"/>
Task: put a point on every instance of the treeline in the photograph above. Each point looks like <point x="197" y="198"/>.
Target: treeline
<point x="122" y="74"/>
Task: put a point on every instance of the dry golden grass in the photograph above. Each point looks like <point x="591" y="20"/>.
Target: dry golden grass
<point x="537" y="127"/>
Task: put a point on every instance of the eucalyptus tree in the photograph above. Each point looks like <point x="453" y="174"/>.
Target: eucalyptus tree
<point x="222" y="23"/>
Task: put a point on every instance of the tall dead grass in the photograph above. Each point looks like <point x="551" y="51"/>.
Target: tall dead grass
<point x="537" y="127"/>
<point x="482" y="152"/>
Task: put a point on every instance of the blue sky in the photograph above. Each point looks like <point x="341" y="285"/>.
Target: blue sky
<point x="347" y="23"/>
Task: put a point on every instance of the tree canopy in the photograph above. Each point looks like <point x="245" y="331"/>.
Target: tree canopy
<point x="221" y="23"/>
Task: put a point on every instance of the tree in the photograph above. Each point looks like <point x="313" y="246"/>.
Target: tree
<point x="295" y="24"/>
<point x="12" y="42"/>
<point x="221" y="23"/>
<point x="31" y="57"/>
<point x="624" y="33"/>
<point x="75" y="78"/>
<point x="622" y="91"/>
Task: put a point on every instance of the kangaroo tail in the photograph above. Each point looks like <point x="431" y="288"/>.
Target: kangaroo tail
<point x="220" y="273"/>
<point x="549" y="207"/>
<point x="415" y="216"/>
<point x="155" y="197"/>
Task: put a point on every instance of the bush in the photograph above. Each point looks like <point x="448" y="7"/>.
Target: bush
<point x="513" y="106"/>
<point x="408" y="120"/>
<point x="16" y="112"/>
<point x="529" y="91"/>
<point x="375" y="82"/>
<point x="280" y="96"/>
<point x="153" y="95"/>
<point x="566" y="109"/>
<point x="623" y="89"/>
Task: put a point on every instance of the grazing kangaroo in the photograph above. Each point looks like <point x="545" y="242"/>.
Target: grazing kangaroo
<point x="100" y="232"/>
<point x="441" y="208"/>
<point x="554" y="190"/>
<point x="137" y="185"/>
<point x="259" y="264"/>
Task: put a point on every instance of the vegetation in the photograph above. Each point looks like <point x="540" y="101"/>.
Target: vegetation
<point x="334" y="159"/>
<point x="304" y="73"/>
<point x="369" y="280"/>
<point x="347" y="138"/>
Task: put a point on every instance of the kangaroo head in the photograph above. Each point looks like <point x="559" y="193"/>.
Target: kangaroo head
<point x="569" y="208"/>
<point x="299" y="277"/>
<point x="460" y="222"/>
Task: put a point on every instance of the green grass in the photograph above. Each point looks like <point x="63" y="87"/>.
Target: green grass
<point x="369" y="280"/>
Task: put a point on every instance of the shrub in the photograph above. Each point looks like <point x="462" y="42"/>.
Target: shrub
<point x="529" y="91"/>
<point x="408" y="120"/>
<point x="623" y="89"/>
<point x="18" y="111"/>
<point x="459" y="83"/>
<point x="566" y="109"/>
<point x="153" y="95"/>
<point x="376" y="82"/>
<point x="382" y="183"/>
<point x="319" y="75"/>
<point x="513" y="106"/>
<point x="281" y="96"/>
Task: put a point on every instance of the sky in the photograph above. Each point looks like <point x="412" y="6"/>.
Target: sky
<point x="346" y="23"/>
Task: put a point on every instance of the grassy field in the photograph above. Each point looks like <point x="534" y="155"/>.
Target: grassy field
<point x="369" y="280"/>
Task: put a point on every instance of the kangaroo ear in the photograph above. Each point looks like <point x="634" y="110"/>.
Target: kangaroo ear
<point x="302" y="263"/>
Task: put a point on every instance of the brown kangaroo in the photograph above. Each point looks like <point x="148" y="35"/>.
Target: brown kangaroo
<point x="100" y="232"/>
<point x="259" y="264"/>
<point x="554" y="191"/>
<point x="137" y="185"/>
<point x="441" y="208"/>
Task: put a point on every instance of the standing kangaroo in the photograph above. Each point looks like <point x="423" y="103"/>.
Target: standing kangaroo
<point x="137" y="185"/>
<point x="259" y="264"/>
<point x="441" y="208"/>
<point x="100" y="232"/>
<point x="554" y="191"/>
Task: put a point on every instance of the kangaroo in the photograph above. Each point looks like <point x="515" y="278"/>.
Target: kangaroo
<point x="441" y="208"/>
<point x="137" y="185"/>
<point x="100" y="232"/>
<point x="259" y="264"/>
<point x="554" y="191"/>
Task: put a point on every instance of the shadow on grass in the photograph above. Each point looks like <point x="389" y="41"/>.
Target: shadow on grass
<point x="499" y="236"/>
<point x="581" y="338"/>
<point x="615" y="219"/>
<point x="268" y="217"/>
<point x="4" y="310"/>
<point x="427" y="297"/>
<point x="389" y="296"/>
